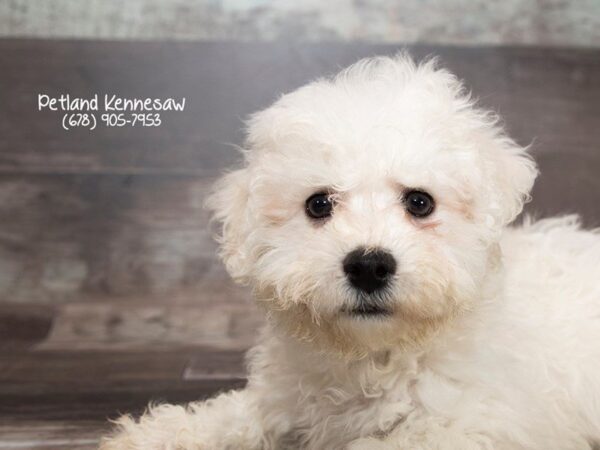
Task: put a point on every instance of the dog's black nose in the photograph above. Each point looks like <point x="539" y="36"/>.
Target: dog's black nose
<point x="369" y="269"/>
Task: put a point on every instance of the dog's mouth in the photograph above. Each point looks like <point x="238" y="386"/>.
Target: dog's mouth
<point x="368" y="311"/>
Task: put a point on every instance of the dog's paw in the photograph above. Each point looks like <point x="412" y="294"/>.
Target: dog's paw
<point x="163" y="428"/>
<point x="128" y="435"/>
<point x="117" y="442"/>
<point x="124" y="441"/>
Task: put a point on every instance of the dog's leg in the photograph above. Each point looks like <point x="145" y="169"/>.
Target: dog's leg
<point x="229" y="421"/>
<point x="429" y="433"/>
<point x="425" y="432"/>
<point x="455" y="442"/>
<point x="424" y="443"/>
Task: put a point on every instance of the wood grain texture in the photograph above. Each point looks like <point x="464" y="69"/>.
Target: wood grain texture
<point x="72" y="385"/>
<point x="79" y="236"/>
<point x="37" y="435"/>
<point x="58" y="399"/>
<point x="137" y="325"/>
<point x="23" y="326"/>
<point x="472" y="22"/>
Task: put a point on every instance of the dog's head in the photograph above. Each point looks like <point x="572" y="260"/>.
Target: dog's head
<point x="370" y="205"/>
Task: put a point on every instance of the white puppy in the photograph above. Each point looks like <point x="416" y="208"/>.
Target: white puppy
<point x="370" y="220"/>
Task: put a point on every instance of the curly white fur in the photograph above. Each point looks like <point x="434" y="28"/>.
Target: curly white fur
<point x="494" y="340"/>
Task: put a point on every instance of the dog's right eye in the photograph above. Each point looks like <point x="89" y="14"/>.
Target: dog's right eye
<point x="319" y="206"/>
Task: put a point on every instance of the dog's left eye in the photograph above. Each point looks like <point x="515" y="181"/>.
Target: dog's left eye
<point x="419" y="203"/>
<point x="319" y="206"/>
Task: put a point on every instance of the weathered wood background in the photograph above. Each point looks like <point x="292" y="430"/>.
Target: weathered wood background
<point x="110" y="291"/>
<point x="458" y="22"/>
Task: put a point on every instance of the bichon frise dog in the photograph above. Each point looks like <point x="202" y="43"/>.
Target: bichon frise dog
<point x="370" y="220"/>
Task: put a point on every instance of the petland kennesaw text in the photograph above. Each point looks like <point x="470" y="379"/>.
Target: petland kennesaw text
<point x="65" y="102"/>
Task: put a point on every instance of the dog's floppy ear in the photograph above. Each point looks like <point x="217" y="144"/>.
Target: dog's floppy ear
<point x="228" y="202"/>
<point x="511" y="173"/>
